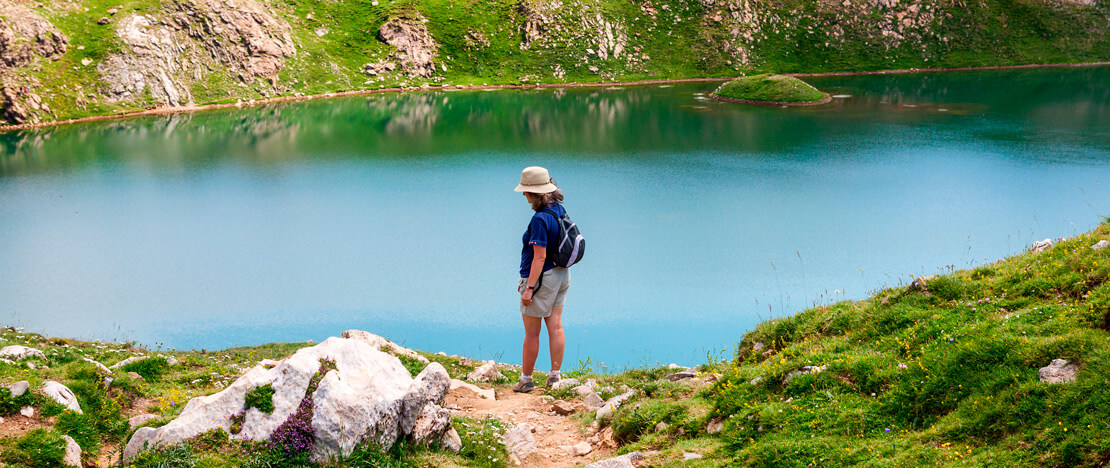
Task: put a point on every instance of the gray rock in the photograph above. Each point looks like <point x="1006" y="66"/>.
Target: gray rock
<point x="139" y="420"/>
<point x="18" y="352"/>
<point x="416" y="49"/>
<point x="580" y="449"/>
<point x="565" y="383"/>
<point x="429" y="388"/>
<point x="1041" y="245"/>
<point x="562" y="408"/>
<point x="611" y="405"/>
<point x="19" y="388"/>
<point x="519" y="441"/>
<point x="593" y="401"/>
<point x="451" y="440"/>
<point x="488" y="394"/>
<point x="691" y="456"/>
<point x="485" y="373"/>
<point x="623" y="461"/>
<point x="1059" y="371"/>
<point x="358" y="402"/>
<point x="98" y="365"/>
<point x="1102" y="244"/>
<point x="432" y="424"/>
<point x="686" y="374"/>
<point x="662" y="427"/>
<point x="61" y="394"/>
<point x="27" y="411"/>
<point x="25" y="36"/>
<point x="73" y="452"/>
<point x="128" y="361"/>
<point x="804" y="370"/>
<point x="715" y="425"/>
<point x="171" y="360"/>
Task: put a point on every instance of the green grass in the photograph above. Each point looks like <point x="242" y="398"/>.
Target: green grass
<point x="769" y="88"/>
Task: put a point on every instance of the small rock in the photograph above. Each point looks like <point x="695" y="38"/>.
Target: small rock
<point x="519" y="441"/>
<point x="623" y="461"/>
<point x="136" y="376"/>
<point x="611" y="405"/>
<point x="674" y="366"/>
<point x="321" y="32"/>
<point x="691" y="456"/>
<point x="758" y="346"/>
<point x="139" y="420"/>
<point x="485" y="373"/>
<point x="451" y="441"/>
<point x="715" y="425"/>
<point x="98" y="365"/>
<point x="86" y="62"/>
<point x="562" y="408"/>
<point x="581" y="449"/>
<point x="128" y="361"/>
<point x="1059" y="371"/>
<point x="488" y="394"/>
<point x="27" y="411"/>
<point x="19" y="388"/>
<point x="171" y="361"/>
<point x="20" y="352"/>
<point x="661" y="427"/>
<point x="547" y="398"/>
<point x="1102" y="244"/>
<point x="103" y="20"/>
<point x="31" y="365"/>
<point x="61" y="394"/>
<point x="1041" y="245"/>
<point x="374" y="3"/>
<point x="73" y="452"/>
<point x="593" y="401"/>
<point x="686" y="374"/>
<point x="565" y="383"/>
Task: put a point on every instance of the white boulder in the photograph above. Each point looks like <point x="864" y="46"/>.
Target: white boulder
<point x="98" y="365"/>
<point x="485" y="373"/>
<point x="1058" y="371"/>
<point x="1102" y="244"/>
<point x="19" y="388"/>
<point x="61" y="394"/>
<point x="73" y="452"/>
<point x="20" y="352"/>
<point x="519" y="441"/>
<point x="488" y="394"/>
<point x="129" y="361"/>
<point x="611" y="405"/>
<point x="1041" y="245"/>
<point x="366" y="398"/>
<point x="379" y="342"/>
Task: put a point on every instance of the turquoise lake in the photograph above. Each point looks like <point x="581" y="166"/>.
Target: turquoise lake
<point x="395" y="213"/>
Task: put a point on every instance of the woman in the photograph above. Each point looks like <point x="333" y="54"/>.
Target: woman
<point x="543" y="286"/>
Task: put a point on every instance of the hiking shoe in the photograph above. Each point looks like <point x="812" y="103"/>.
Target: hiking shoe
<point x="524" y="387"/>
<point x="552" y="380"/>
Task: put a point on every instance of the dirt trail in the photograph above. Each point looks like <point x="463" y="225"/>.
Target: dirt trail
<point x="552" y="431"/>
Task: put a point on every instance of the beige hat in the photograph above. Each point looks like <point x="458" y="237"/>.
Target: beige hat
<point x="536" y="180"/>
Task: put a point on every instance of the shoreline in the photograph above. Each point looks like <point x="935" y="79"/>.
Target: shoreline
<point x="311" y="97"/>
<point x="825" y="100"/>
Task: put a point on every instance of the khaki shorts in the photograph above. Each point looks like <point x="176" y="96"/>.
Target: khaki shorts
<point x="552" y="292"/>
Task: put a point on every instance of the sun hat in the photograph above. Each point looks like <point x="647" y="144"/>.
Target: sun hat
<point x="535" y="179"/>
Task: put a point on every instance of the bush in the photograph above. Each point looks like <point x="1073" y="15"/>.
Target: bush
<point x="38" y="448"/>
<point x="261" y="398"/>
<point x="151" y="369"/>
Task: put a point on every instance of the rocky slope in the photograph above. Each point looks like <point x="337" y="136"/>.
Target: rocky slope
<point x="79" y="58"/>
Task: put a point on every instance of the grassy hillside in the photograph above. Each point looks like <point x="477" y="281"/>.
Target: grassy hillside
<point x="529" y="41"/>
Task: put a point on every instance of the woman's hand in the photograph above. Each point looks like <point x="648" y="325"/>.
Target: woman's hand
<point x="526" y="297"/>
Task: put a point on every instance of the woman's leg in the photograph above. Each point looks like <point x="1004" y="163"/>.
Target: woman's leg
<point x="531" y="342"/>
<point x="554" y="337"/>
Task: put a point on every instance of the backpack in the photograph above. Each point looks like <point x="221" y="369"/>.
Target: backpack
<point x="570" y="245"/>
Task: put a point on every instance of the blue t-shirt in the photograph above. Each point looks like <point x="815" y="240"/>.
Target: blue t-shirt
<point x="542" y="227"/>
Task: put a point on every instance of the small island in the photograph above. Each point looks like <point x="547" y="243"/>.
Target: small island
<point x="770" y="90"/>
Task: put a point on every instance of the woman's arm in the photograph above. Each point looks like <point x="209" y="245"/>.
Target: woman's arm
<point x="539" y="255"/>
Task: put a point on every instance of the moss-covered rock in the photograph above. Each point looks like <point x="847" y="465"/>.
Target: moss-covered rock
<point x="770" y="90"/>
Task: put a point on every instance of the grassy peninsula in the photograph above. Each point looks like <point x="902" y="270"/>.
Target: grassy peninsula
<point x="770" y="89"/>
<point x="940" y="372"/>
<point x="99" y="57"/>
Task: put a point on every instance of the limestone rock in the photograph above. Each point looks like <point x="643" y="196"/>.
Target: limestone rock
<point x="19" y="388"/>
<point x="151" y="61"/>
<point x="1102" y="244"/>
<point x="128" y="361"/>
<point x="485" y="373"/>
<point x="251" y="37"/>
<point x="61" y="394"/>
<point x="715" y="425"/>
<point x="565" y="383"/>
<point x="804" y="370"/>
<point x="73" y="452"/>
<point x="383" y="344"/>
<point x="416" y="49"/>
<point x="519" y="441"/>
<point x="691" y="456"/>
<point x="611" y="405"/>
<point x="140" y="419"/>
<point x="1059" y="371"/>
<point x="686" y="374"/>
<point x="98" y="365"/>
<point x="428" y="389"/>
<point x="451" y="440"/>
<point x="562" y="408"/>
<point x="1041" y="245"/>
<point x="623" y="461"/>
<point x="20" y="352"/>
<point x="593" y="401"/>
<point x="360" y="401"/>
<point x="24" y="35"/>
<point x="431" y="425"/>
<point x="488" y="394"/>
<point x="27" y="411"/>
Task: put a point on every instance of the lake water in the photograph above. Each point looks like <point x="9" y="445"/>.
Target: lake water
<point x="395" y="213"/>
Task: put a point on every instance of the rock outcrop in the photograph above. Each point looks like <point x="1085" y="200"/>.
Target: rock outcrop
<point x="244" y="34"/>
<point x="416" y="49"/>
<point x="20" y="352"/>
<point x="151" y="62"/>
<point x="1058" y="371"/>
<point x="24" y="35"/>
<point x="61" y="394"/>
<point x="367" y="396"/>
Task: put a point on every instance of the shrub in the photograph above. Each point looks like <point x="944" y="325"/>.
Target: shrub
<point x="261" y="398"/>
<point x="413" y="365"/>
<point x="151" y="369"/>
<point x="38" y="448"/>
<point x="294" y="437"/>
